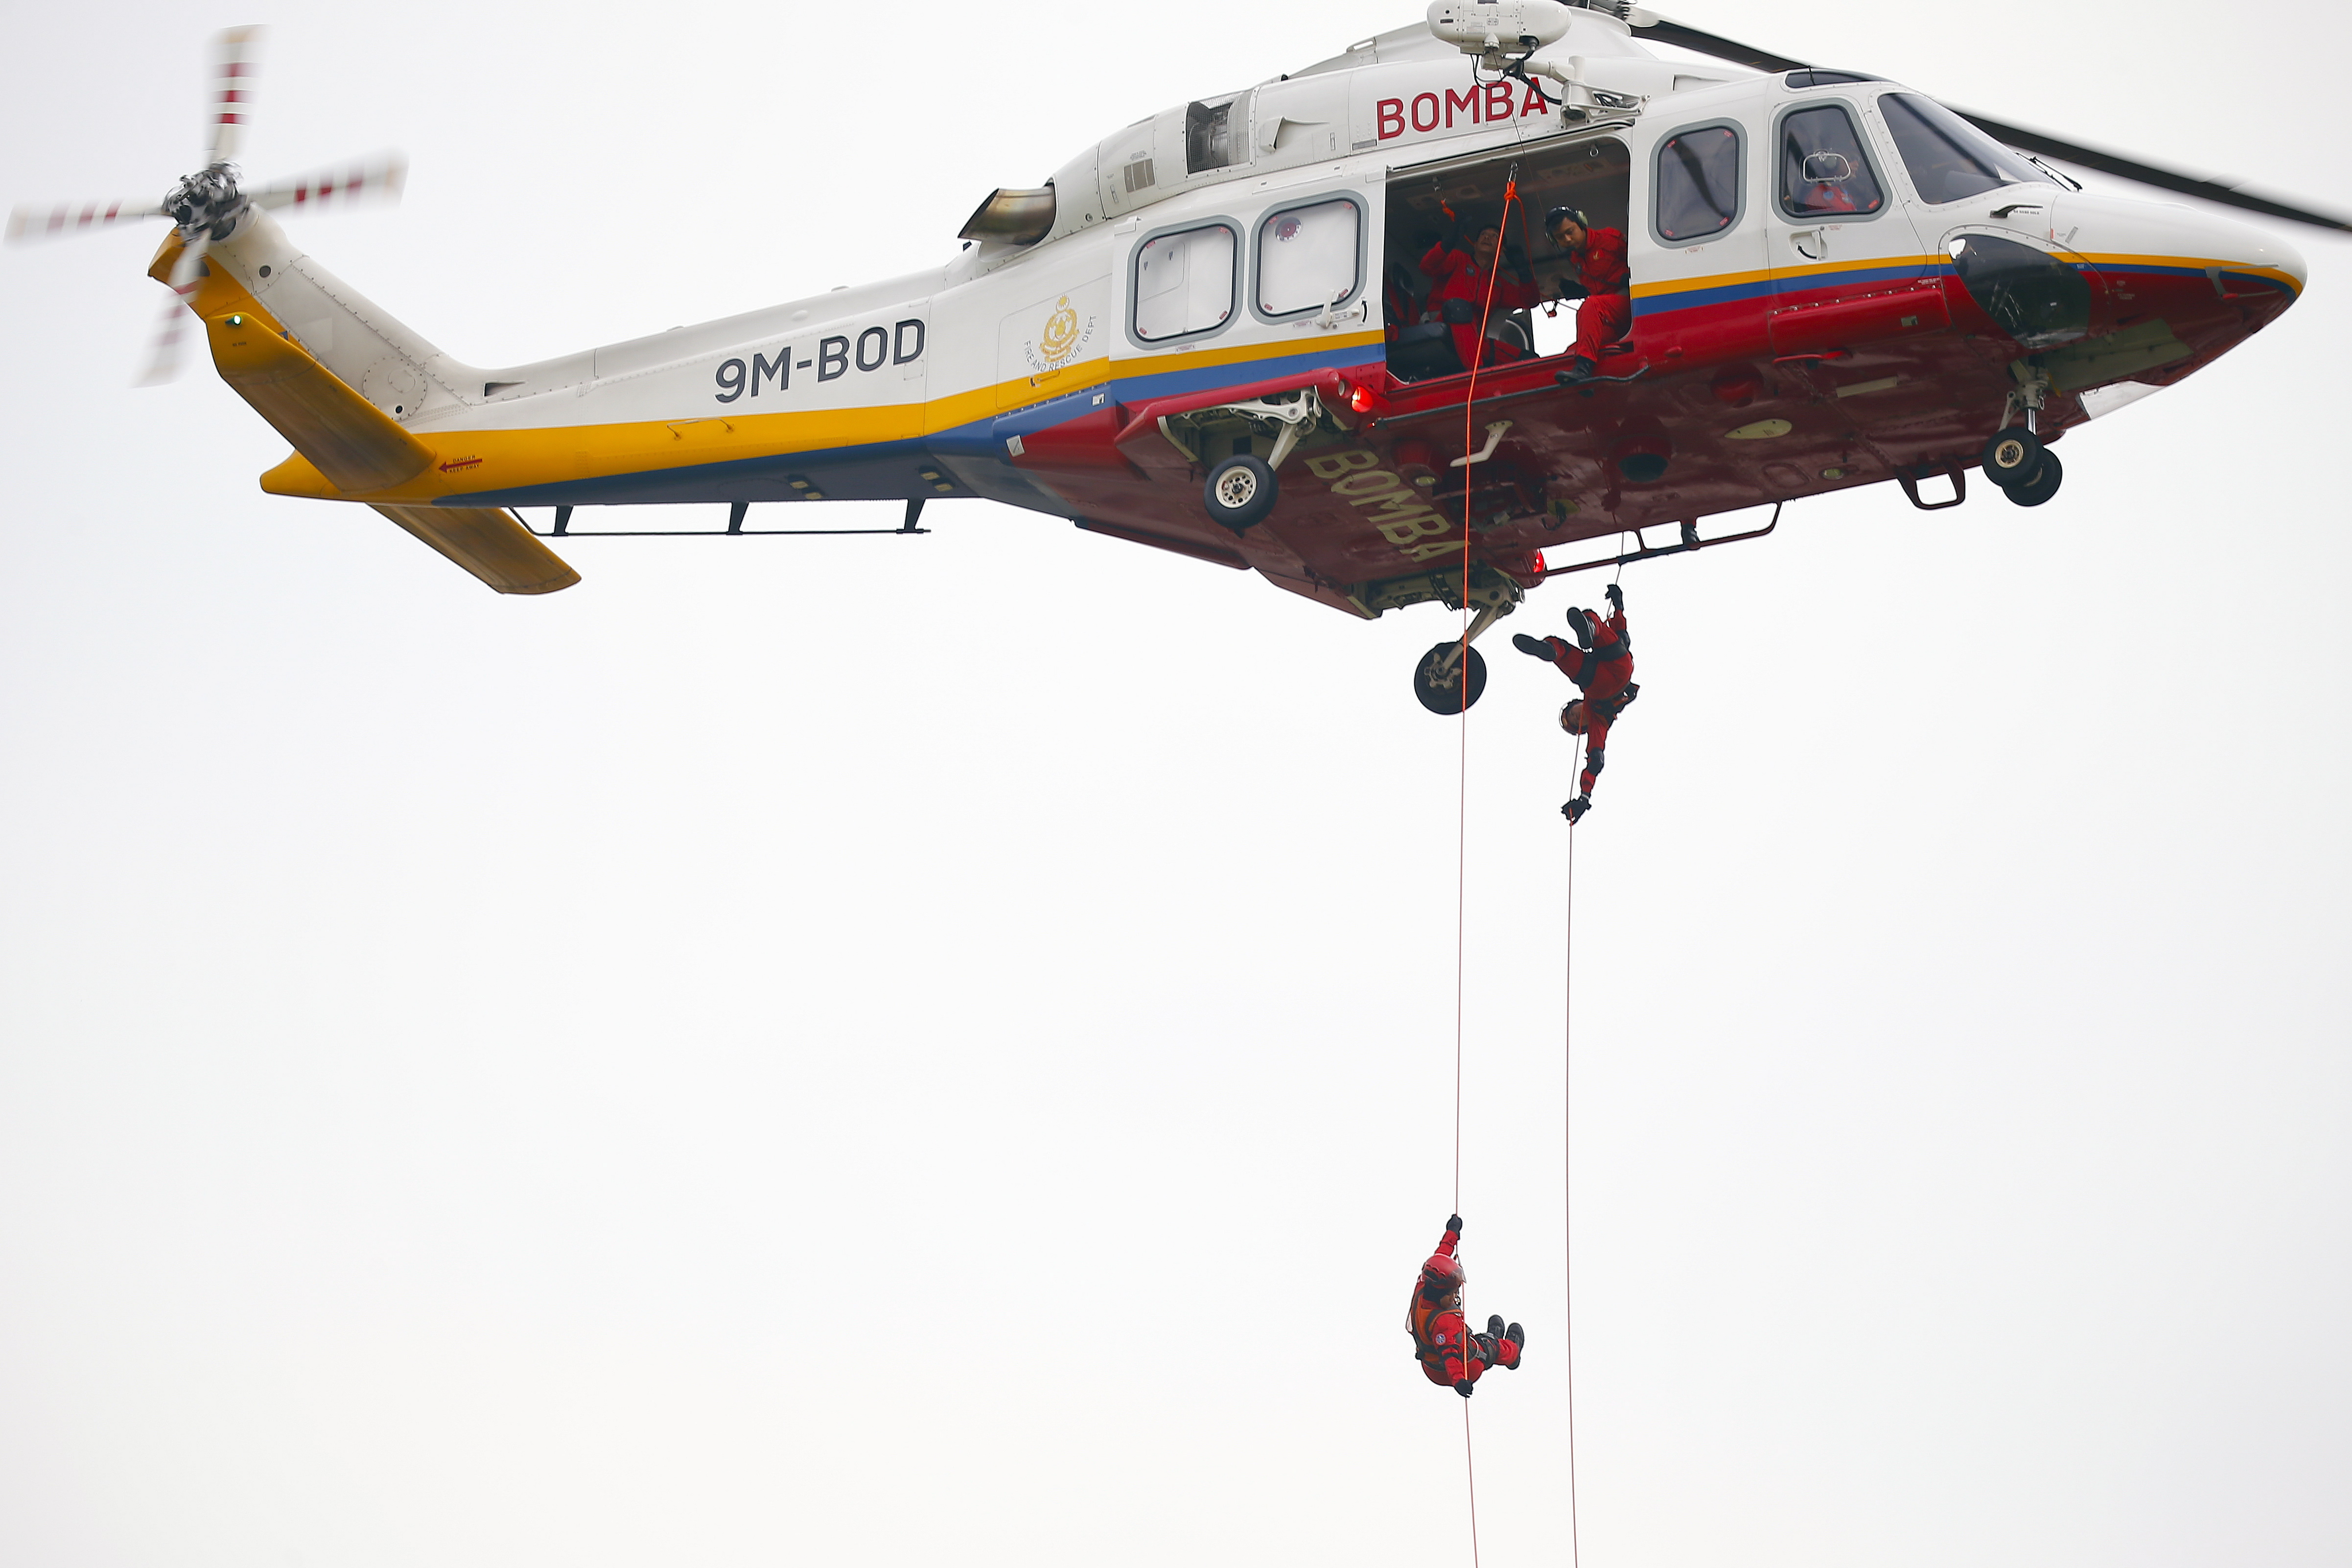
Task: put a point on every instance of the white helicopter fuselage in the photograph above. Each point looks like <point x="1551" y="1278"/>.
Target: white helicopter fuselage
<point x="1018" y="370"/>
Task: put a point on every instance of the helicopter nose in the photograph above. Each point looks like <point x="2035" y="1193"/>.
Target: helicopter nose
<point x="2169" y="237"/>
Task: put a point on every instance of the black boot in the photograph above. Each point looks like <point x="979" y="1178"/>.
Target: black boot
<point x="1581" y="622"/>
<point x="1534" y="647"/>
<point x="1690" y="536"/>
<point x="1579" y="368"/>
<point x="1516" y="1335"/>
<point x="1495" y="1329"/>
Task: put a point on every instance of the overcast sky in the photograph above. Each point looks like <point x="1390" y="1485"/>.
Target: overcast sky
<point x="901" y="1051"/>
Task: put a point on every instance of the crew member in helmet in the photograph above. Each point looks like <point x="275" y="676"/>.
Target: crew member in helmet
<point x="1459" y="296"/>
<point x="1600" y="277"/>
<point x="1600" y="662"/>
<point x="1449" y="1354"/>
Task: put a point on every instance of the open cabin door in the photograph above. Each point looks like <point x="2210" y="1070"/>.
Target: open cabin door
<point x="1432" y="204"/>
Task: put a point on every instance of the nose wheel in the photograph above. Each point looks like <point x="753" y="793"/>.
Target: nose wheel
<point x="2028" y="472"/>
<point x="1449" y="678"/>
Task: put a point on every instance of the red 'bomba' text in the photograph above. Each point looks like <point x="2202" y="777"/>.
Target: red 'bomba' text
<point x="1490" y="103"/>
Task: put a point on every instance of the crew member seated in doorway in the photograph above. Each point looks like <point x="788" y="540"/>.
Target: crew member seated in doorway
<point x="1459" y="298"/>
<point x="1601" y="278"/>
<point x="1449" y="1354"/>
<point x="1600" y="662"/>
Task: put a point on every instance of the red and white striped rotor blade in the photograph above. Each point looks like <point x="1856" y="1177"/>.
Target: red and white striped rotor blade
<point x="28" y="223"/>
<point x="237" y="61"/>
<point x="346" y="184"/>
<point x="163" y="354"/>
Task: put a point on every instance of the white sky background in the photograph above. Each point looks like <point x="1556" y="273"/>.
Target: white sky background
<point x="892" y="1051"/>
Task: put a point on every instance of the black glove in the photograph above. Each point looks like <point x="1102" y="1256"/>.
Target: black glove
<point x="1534" y="647"/>
<point x="1616" y="597"/>
<point x="1453" y="1224"/>
<point x="1462" y="1386"/>
<point x="1569" y="289"/>
<point x="1575" y="809"/>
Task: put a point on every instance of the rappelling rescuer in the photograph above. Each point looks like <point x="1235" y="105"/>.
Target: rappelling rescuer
<point x="1448" y="1353"/>
<point x="1600" y="277"/>
<point x="1460" y="294"/>
<point x="1600" y="662"/>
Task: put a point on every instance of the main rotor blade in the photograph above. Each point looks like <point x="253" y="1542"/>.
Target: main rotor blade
<point x="2022" y="137"/>
<point x="237" y="60"/>
<point x="28" y="223"/>
<point x="378" y="177"/>
<point x="2029" y="140"/>
<point x="163" y="354"/>
<point x="1715" y="46"/>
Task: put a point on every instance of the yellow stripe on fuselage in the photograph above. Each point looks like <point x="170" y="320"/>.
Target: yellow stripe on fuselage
<point x="471" y="461"/>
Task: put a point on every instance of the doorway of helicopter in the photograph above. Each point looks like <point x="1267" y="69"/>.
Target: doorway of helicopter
<point x="1594" y="174"/>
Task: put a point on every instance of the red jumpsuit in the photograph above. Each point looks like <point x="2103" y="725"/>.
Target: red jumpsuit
<point x="1439" y="1339"/>
<point x="1607" y="313"/>
<point x="1605" y="673"/>
<point x="1460" y="278"/>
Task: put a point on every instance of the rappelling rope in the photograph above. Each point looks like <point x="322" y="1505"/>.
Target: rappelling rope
<point x="1462" y="799"/>
<point x="1567" y="1165"/>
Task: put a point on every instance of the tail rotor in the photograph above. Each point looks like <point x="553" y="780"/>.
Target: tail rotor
<point x="207" y="206"/>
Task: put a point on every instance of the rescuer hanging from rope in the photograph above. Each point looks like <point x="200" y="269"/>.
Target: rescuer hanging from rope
<point x="1449" y="1354"/>
<point x="1602" y="664"/>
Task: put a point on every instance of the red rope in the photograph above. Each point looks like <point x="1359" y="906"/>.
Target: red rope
<point x="1470" y="1464"/>
<point x="1462" y="667"/>
<point x="1462" y="798"/>
<point x="1567" y="1171"/>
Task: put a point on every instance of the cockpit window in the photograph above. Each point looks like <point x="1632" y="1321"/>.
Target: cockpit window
<point x="1949" y="159"/>
<point x="1823" y="173"/>
<point x="1698" y="184"/>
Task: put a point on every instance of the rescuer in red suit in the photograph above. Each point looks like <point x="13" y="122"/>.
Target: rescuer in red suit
<point x="1449" y="1354"/>
<point x="1462" y="277"/>
<point x="1601" y="278"/>
<point x="1603" y="666"/>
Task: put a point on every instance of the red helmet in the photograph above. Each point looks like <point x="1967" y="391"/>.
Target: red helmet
<point x="1443" y="1274"/>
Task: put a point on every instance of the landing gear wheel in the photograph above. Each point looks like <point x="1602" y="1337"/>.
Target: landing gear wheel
<point x="2012" y="457"/>
<point x="2042" y="485"/>
<point x="1240" y="492"/>
<point x="1445" y="690"/>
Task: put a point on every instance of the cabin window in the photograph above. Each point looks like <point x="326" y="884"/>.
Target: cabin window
<point x="1698" y="184"/>
<point x="1309" y="257"/>
<point x="1948" y="158"/>
<point x="1183" y="283"/>
<point x="1823" y="173"/>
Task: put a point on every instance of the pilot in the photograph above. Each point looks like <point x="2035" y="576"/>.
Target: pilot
<point x="1601" y="278"/>
<point x="1449" y="1354"/>
<point x="1460" y="298"/>
<point x="1824" y="197"/>
<point x="1602" y="664"/>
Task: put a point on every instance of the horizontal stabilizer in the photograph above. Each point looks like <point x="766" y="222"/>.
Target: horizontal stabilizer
<point x="350" y="441"/>
<point x="490" y="544"/>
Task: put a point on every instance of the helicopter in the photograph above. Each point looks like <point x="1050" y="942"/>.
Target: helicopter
<point x="1205" y="333"/>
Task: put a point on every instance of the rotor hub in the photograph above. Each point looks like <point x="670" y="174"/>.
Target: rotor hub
<point x="207" y="203"/>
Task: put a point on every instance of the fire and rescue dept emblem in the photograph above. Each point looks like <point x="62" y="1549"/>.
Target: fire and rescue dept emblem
<point x="1060" y="340"/>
